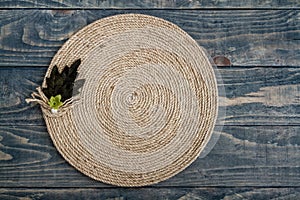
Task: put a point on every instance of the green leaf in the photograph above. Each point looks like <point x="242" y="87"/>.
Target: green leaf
<point x="55" y="102"/>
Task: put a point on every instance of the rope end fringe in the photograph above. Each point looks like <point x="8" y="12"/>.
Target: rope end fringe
<point x="40" y="98"/>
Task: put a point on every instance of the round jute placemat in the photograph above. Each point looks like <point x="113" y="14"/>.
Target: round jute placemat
<point x="148" y="104"/>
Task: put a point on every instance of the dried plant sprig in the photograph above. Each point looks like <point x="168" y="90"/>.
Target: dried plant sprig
<point x="61" y="83"/>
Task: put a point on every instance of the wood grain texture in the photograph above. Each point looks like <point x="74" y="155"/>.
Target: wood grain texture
<point x="254" y="96"/>
<point x="149" y="4"/>
<point x="258" y="153"/>
<point x="248" y="155"/>
<point x="154" y="194"/>
<point x="246" y="38"/>
<point x="252" y="156"/>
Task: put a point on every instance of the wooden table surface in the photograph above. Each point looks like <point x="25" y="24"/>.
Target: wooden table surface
<point x="258" y="153"/>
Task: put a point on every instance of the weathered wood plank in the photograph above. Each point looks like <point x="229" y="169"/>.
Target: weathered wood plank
<point x="154" y="193"/>
<point x="254" y="96"/>
<point x="149" y="4"/>
<point x="246" y="37"/>
<point x="253" y="156"/>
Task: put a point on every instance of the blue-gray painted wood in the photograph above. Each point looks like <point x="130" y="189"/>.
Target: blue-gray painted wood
<point x="249" y="152"/>
<point x="257" y="155"/>
<point x="247" y="37"/>
<point x="254" y="96"/>
<point x="209" y="193"/>
<point x="244" y="156"/>
<point x="146" y="4"/>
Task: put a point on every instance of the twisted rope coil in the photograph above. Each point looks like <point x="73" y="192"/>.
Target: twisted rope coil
<point x="148" y="105"/>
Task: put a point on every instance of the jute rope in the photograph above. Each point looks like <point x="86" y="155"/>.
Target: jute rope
<point x="148" y="104"/>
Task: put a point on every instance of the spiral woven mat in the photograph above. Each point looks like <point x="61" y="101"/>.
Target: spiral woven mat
<point x="148" y="105"/>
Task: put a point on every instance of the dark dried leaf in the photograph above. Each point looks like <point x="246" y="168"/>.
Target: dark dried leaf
<point x="61" y="83"/>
